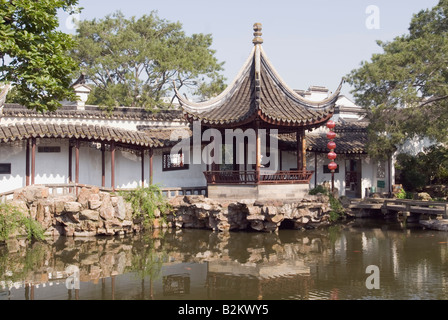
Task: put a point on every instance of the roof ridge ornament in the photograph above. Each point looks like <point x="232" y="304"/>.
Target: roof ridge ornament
<point x="258" y="27"/>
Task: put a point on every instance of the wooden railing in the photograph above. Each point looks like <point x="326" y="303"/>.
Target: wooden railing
<point x="250" y="177"/>
<point x="73" y="188"/>
<point x="184" y="191"/>
<point x="405" y="206"/>
<point x="417" y="206"/>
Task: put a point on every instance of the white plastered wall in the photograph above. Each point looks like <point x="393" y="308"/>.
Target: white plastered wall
<point x="13" y="153"/>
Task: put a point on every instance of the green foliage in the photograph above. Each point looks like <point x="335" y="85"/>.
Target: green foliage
<point x="134" y="62"/>
<point x="405" y="88"/>
<point x="318" y="189"/>
<point x="401" y="194"/>
<point x="146" y="202"/>
<point x="13" y="220"/>
<point x="17" y="265"/>
<point x="426" y="168"/>
<point x="146" y="260"/>
<point x="34" y="55"/>
<point x="337" y="209"/>
<point x="411" y="172"/>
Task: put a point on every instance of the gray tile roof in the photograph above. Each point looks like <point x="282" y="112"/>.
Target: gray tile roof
<point x="350" y="138"/>
<point x="93" y="112"/>
<point x="20" y="131"/>
<point x="259" y="92"/>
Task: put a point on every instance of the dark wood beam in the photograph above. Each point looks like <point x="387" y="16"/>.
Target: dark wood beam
<point x="151" y="169"/>
<point x="143" y="167"/>
<point x="33" y="160"/>
<point x="27" y="162"/>
<point x="299" y="138"/>
<point x="112" y="165"/>
<point x="103" y="165"/>
<point x="70" y="162"/>
<point x="257" y="154"/>
<point x="77" y="161"/>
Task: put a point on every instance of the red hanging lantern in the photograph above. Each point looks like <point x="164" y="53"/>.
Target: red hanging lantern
<point x="331" y="124"/>
<point x="332" y="165"/>
<point x="331" y="145"/>
<point x="331" y="135"/>
<point x="332" y="155"/>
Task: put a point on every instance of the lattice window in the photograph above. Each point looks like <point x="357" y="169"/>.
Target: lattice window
<point x="173" y="162"/>
<point x="48" y="149"/>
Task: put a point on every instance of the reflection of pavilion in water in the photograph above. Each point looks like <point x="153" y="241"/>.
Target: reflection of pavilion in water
<point x="200" y="265"/>
<point x="233" y="280"/>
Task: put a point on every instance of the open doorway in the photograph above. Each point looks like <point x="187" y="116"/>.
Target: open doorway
<point x="353" y="178"/>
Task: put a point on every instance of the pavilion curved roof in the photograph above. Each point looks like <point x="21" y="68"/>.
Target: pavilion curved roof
<point x="258" y="92"/>
<point x="21" y="131"/>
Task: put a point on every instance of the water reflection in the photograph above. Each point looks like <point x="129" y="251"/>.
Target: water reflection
<point x="196" y="264"/>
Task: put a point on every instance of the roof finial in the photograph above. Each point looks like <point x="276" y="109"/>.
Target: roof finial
<point x="257" y="34"/>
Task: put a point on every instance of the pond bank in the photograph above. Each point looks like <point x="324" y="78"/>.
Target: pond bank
<point x="199" y="212"/>
<point x="96" y="213"/>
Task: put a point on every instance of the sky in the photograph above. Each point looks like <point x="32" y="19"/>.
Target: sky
<point x="308" y="42"/>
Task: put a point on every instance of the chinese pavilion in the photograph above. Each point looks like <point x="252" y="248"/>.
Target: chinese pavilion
<point x="259" y="99"/>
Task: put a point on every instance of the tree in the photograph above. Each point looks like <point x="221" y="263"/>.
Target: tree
<point x="134" y="62"/>
<point x="34" y="55"/>
<point x="405" y="88"/>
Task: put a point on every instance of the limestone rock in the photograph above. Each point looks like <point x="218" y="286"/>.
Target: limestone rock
<point x="256" y="217"/>
<point x="84" y="233"/>
<point x="72" y="207"/>
<point x="440" y="225"/>
<point x="95" y="204"/>
<point x="120" y="208"/>
<point x="85" y="195"/>
<point x="270" y="210"/>
<point x="424" y="196"/>
<point x="257" y="225"/>
<point x="31" y="193"/>
<point x="277" y="218"/>
<point x="20" y="204"/>
<point x="59" y="203"/>
<point x="88" y="214"/>
<point x="107" y="211"/>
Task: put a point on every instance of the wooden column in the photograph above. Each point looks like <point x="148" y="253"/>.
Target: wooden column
<point x="103" y="165"/>
<point x="389" y="173"/>
<point x="235" y="165"/>
<point x="33" y="160"/>
<point x="299" y="138"/>
<point x="27" y="162"/>
<point x="77" y="161"/>
<point x="257" y="154"/>
<point x="315" y="169"/>
<point x="151" y="171"/>
<point x="112" y="165"/>
<point x="303" y="151"/>
<point x="70" y="160"/>
<point x="143" y="167"/>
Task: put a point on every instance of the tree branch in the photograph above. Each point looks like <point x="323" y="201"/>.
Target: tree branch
<point x="431" y="100"/>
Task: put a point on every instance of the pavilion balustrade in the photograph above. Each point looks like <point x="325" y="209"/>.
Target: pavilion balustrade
<point x="253" y="177"/>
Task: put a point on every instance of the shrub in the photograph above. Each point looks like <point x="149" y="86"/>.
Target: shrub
<point x="12" y="220"/>
<point x="428" y="167"/>
<point x="146" y="202"/>
<point x="337" y="209"/>
<point x="319" y="189"/>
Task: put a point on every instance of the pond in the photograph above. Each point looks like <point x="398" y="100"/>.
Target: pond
<point x="327" y="263"/>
